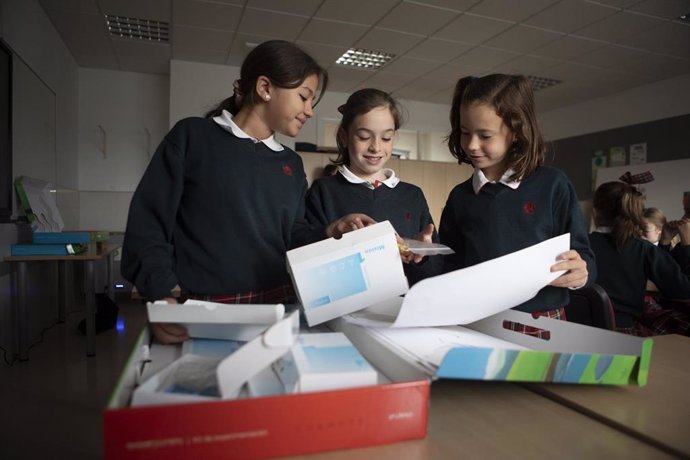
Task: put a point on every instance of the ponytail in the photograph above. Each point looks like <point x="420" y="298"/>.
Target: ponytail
<point x="620" y="206"/>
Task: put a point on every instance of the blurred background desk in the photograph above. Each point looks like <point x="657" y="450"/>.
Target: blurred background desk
<point x="658" y="413"/>
<point x="96" y="252"/>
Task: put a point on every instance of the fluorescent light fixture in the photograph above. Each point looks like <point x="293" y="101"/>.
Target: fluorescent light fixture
<point x="139" y="29"/>
<point x="365" y="59"/>
<point x="541" y="82"/>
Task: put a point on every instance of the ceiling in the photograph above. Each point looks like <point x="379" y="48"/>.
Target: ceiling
<point x="595" y="48"/>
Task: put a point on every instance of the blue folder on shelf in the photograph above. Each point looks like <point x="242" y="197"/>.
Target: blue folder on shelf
<point x="61" y="237"/>
<point x="47" y="249"/>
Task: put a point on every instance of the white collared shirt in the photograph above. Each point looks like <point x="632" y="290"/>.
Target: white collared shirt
<point x="603" y="229"/>
<point x="479" y="180"/>
<point x="225" y="120"/>
<point x="391" y="181"/>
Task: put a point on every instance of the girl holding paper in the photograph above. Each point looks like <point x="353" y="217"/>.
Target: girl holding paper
<point x="511" y="201"/>
<point x="362" y="184"/>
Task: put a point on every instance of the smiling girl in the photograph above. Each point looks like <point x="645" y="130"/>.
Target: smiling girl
<point x="363" y="184"/>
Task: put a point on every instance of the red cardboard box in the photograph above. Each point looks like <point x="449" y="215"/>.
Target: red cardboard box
<point x="261" y="427"/>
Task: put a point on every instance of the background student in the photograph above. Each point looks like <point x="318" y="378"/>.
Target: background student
<point x="511" y="201"/>
<point x="222" y="201"/>
<point x="625" y="262"/>
<point x="365" y="138"/>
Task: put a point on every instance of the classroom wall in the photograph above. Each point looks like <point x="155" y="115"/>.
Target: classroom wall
<point x="27" y="30"/>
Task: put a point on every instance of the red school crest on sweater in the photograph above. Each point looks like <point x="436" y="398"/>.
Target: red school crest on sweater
<point x="287" y="170"/>
<point x="529" y="207"/>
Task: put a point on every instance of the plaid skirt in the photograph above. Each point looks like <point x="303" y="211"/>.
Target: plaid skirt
<point x="281" y="294"/>
<point x="659" y="317"/>
<point x="558" y="313"/>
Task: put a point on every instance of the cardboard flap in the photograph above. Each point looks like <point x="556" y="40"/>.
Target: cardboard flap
<point x="199" y="311"/>
<point x="256" y="355"/>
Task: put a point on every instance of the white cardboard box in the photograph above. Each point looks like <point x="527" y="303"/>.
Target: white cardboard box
<point x="336" y="277"/>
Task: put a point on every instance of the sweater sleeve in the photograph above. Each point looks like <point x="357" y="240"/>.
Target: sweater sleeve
<point x="568" y="212"/>
<point x="429" y="266"/>
<point x="148" y="253"/>
<point x="304" y="230"/>
<point x="315" y="207"/>
<point x="450" y="236"/>
<point x="681" y="254"/>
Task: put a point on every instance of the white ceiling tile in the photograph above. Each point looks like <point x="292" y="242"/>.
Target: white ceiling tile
<point x="568" y="71"/>
<point x="509" y="10"/>
<point x="568" y="47"/>
<point x="445" y="96"/>
<point x="194" y="37"/>
<point x="661" y="67"/>
<point x="302" y="7"/>
<point x="610" y="56"/>
<point x="356" y="11"/>
<point x="617" y="3"/>
<point x="286" y="26"/>
<point x="454" y="5"/>
<point x="388" y="41"/>
<point x="204" y="14"/>
<point x="414" y="93"/>
<point x="413" y="18"/>
<point x="242" y="45"/>
<point x="485" y="57"/>
<point x="157" y="10"/>
<point x="570" y="15"/>
<point x="449" y="74"/>
<point x="142" y="56"/>
<point x="439" y="50"/>
<point x="669" y="38"/>
<point x="81" y="6"/>
<point x="387" y="81"/>
<point x="522" y="39"/>
<point x="325" y="55"/>
<point x="342" y="86"/>
<point x="332" y="33"/>
<point x="349" y="74"/>
<point x="618" y="25"/>
<point x="472" y="29"/>
<point x="667" y="9"/>
<point x="84" y="34"/>
<point x="526" y="65"/>
<point x="411" y="66"/>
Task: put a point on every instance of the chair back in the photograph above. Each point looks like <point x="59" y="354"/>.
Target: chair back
<point x="591" y="306"/>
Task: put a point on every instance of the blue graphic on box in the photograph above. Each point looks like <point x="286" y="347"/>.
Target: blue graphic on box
<point x="334" y="280"/>
<point x="335" y="359"/>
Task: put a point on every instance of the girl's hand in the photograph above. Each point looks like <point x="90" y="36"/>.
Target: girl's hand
<point x="348" y="223"/>
<point x="425" y="236"/>
<point x="576" y="274"/>
<point x="668" y="232"/>
<point x="168" y="333"/>
<point x="684" y="231"/>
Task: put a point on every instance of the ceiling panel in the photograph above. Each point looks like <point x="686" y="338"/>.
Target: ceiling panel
<point x="388" y="41"/>
<point x="283" y="25"/>
<point x="526" y="65"/>
<point x="411" y="66"/>
<point x="331" y="32"/>
<point x="143" y="56"/>
<point x="610" y="56"/>
<point x="667" y="9"/>
<point x="472" y="29"/>
<point x="325" y="55"/>
<point x="243" y="44"/>
<point x="413" y="18"/>
<point x="568" y="47"/>
<point x="302" y="7"/>
<point x="522" y="39"/>
<point x="485" y="57"/>
<point x="158" y="10"/>
<point x="506" y="9"/>
<point x="355" y="11"/>
<point x="206" y="15"/>
<point x="570" y="15"/>
<point x="196" y="38"/>
<point x="81" y="6"/>
<point x="618" y="25"/>
<point x="439" y="50"/>
<point x="387" y="81"/>
<point x="669" y="38"/>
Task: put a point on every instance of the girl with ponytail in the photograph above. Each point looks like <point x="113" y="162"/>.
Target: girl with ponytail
<point x="625" y="262"/>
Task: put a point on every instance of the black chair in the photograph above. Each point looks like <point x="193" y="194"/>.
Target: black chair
<point x="591" y="306"/>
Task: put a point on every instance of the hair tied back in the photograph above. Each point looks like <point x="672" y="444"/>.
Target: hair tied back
<point x="341" y="108"/>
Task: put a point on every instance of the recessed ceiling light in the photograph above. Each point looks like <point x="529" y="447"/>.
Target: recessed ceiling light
<point x="365" y="59"/>
<point x="140" y="29"/>
<point x="541" y="82"/>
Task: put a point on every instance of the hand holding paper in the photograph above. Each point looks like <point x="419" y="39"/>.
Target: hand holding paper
<point x="576" y="270"/>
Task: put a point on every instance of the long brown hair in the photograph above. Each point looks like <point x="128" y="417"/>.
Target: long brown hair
<point x="621" y="206"/>
<point x="285" y="64"/>
<point x="361" y="102"/>
<point x="512" y="99"/>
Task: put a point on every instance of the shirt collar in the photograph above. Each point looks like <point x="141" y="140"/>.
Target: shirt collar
<point x="391" y="181"/>
<point x="479" y="180"/>
<point x="603" y="229"/>
<point x="225" y="120"/>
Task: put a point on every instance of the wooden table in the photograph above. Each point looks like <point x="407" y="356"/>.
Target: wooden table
<point x="503" y="420"/>
<point x="94" y="253"/>
<point x="658" y="413"/>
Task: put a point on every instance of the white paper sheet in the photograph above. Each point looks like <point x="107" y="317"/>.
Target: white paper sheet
<point x="470" y="294"/>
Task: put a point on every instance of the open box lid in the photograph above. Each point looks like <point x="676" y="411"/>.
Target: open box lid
<point x="335" y="277"/>
<point x="490" y="350"/>
<point x="212" y="320"/>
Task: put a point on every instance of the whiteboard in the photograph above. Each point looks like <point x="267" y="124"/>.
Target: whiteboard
<point x="671" y="179"/>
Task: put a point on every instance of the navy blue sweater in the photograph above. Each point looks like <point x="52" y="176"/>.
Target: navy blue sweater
<point x="500" y="220"/>
<point x="623" y="274"/>
<point x="215" y="214"/>
<point x="330" y="198"/>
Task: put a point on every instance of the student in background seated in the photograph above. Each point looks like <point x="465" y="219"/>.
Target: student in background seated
<point x="625" y="262"/>
<point x="655" y="222"/>
<point x="362" y="184"/>
<point x="222" y="201"/>
<point x="512" y="201"/>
